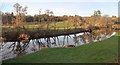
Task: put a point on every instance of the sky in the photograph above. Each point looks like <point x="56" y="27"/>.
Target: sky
<point x="64" y="7"/>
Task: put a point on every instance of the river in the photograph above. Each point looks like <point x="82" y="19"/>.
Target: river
<point x="52" y="42"/>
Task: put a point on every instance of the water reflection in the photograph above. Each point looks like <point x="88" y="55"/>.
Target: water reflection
<point x="13" y="49"/>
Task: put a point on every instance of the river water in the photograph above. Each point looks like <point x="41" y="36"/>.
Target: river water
<point x="59" y="41"/>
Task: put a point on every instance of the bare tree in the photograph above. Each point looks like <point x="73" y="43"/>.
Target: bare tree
<point x="0" y="17"/>
<point x="23" y="13"/>
<point x="20" y="13"/>
<point x="39" y="15"/>
<point x="17" y="9"/>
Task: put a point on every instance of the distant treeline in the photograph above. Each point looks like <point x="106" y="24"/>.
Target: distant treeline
<point x="9" y="18"/>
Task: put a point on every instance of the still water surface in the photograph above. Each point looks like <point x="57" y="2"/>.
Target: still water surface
<point x="59" y="41"/>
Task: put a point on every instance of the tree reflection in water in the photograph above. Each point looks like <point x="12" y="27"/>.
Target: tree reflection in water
<point x="66" y="38"/>
<point x="24" y="45"/>
<point x="76" y="39"/>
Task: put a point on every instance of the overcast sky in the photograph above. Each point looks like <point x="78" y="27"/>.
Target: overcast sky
<point x="64" y="7"/>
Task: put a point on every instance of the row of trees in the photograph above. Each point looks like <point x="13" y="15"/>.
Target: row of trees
<point x="11" y="18"/>
<point x="98" y="20"/>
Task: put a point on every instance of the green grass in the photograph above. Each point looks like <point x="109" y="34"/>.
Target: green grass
<point x="97" y="52"/>
<point x="43" y="25"/>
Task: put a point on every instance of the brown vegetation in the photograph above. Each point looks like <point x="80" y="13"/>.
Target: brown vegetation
<point x="69" y="46"/>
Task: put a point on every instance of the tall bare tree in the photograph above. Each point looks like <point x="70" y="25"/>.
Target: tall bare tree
<point x="20" y="13"/>
<point x="24" y="11"/>
<point x="39" y="15"/>
<point x="17" y="9"/>
<point x="0" y="17"/>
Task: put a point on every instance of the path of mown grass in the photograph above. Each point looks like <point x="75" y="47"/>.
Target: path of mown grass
<point x="99" y="52"/>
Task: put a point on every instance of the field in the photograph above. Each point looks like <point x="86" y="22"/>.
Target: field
<point x="52" y="25"/>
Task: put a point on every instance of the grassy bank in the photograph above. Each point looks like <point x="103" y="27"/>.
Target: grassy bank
<point x="97" y="52"/>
